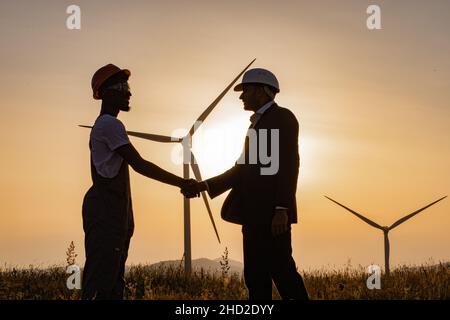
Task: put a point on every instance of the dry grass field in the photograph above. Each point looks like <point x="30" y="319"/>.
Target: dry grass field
<point x="145" y="282"/>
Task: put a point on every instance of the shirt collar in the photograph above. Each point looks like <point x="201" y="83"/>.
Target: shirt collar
<point x="264" y="107"/>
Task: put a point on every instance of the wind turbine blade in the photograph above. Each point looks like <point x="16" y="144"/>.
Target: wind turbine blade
<point x="215" y="102"/>
<point x="148" y="136"/>
<point x="154" y="137"/>
<point x="205" y="200"/>
<point x="198" y="177"/>
<point x="409" y="216"/>
<point x="195" y="167"/>
<point x="373" y="224"/>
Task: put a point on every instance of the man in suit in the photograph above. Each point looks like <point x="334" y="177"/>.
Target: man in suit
<point x="262" y="199"/>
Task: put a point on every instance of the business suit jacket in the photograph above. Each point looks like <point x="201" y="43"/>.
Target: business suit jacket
<point x="254" y="196"/>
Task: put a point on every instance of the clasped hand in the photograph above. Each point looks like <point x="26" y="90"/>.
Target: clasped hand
<point x="192" y="188"/>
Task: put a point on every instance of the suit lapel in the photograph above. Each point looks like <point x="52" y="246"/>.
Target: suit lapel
<point x="265" y="114"/>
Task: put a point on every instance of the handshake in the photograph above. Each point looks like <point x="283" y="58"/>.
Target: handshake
<point x="191" y="188"/>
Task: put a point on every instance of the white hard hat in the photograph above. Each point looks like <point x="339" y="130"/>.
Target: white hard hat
<point x="261" y="76"/>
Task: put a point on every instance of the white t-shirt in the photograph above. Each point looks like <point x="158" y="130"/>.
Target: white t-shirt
<point x="107" y="135"/>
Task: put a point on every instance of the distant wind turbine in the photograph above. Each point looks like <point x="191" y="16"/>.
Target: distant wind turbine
<point x="386" y="229"/>
<point x="189" y="158"/>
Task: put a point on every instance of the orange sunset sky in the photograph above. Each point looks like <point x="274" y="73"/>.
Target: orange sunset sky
<point x="373" y="108"/>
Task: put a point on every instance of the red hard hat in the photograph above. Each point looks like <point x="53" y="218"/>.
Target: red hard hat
<point x="102" y="74"/>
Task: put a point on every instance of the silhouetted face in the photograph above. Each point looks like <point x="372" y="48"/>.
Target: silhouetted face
<point x="118" y="95"/>
<point x="252" y="97"/>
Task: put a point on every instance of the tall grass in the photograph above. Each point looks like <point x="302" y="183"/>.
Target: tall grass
<point x="145" y="282"/>
<point x="171" y="282"/>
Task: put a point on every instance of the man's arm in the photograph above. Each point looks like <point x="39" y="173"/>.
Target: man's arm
<point x="286" y="178"/>
<point x="221" y="183"/>
<point x="216" y="185"/>
<point x="146" y="168"/>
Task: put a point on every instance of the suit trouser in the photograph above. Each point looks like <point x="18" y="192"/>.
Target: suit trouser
<point x="104" y="270"/>
<point x="267" y="257"/>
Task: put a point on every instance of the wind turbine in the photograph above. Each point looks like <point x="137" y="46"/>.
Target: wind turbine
<point x="189" y="158"/>
<point x="386" y="229"/>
